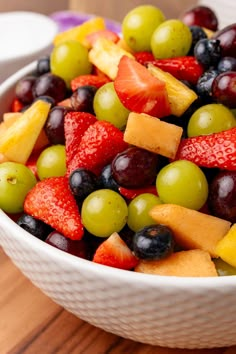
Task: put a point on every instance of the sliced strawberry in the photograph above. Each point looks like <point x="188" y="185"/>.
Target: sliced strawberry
<point x="101" y="142"/>
<point x="106" y="33"/>
<point x="144" y="57"/>
<point x="75" y="125"/>
<point x="52" y="202"/>
<point x="182" y="68"/>
<point x="214" y="150"/>
<point x="89" y="79"/>
<point x="132" y="193"/>
<point x="16" y="105"/>
<point x="115" y="253"/>
<point x="139" y="90"/>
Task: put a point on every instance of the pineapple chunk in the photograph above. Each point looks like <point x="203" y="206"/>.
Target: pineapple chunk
<point x="19" y="139"/>
<point x="152" y="134"/>
<point x="192" y="229"/>
<point x="192" y="263"/>
<point x="180" y="96"/>
<point x="106" y="55"/>
<point x="80" y="32"/>
<point x="226" y="248"/>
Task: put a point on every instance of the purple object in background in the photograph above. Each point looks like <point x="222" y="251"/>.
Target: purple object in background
<point x="69" y="19"/>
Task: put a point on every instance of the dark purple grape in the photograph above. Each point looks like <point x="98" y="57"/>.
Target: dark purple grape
<point x="24" y="89"/>
<point x="224" y="89"/>
<point x="227" y="64"/>
<point x="50" y="85"/>
<point x="54" y="126"/>
<point x="34" y="226"/>
<point x="82" y="99"/>
<point x="106" y="179"/>
<point x="82" y="182"/>
<point x="43" y="66"/>
<point x="227" y="38"/>
<point x="153" y="242"/>
<point x="135" y="167"/>
<point x="74" y="247"/>
<point x="201" y="16"/>
<point x="222" y="195"/>
<point x="204" y="84"/>
<point x="208" y="52"/>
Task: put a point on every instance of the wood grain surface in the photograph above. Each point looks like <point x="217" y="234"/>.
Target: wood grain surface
<point x="31" y="323"/>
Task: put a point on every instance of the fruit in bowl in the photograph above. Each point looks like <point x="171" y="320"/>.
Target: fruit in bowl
<point x="129" y="164"/>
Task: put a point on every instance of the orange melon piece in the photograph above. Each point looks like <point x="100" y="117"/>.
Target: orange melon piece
<point x="106" y="55"/>
<point x="192" y="229"/>
<point x="192" y="263"/>
<point x="226" y="247"/>
<point x="152" y="134"/>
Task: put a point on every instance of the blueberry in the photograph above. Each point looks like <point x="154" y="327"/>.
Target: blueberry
<point x="208" y="52"/>
<point x="43" y="65"/>
<point x="34" y="226"/>
<point x="82" y="182"/>
<point x="227" y="64"/>
<point x="197" y="34"/>
<point x="153" y="242"/>
<point x="204" y="83"/>
<point x="106" y="179"/>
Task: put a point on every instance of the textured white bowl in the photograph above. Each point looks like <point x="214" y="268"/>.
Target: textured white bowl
<point x="158" y="310"/>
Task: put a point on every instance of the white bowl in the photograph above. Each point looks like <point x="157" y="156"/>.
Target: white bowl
<point x="25" y="37"/>
<point x="158" y="310"/>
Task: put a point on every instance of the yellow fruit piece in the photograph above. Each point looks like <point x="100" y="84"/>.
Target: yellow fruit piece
<point x="152" y="134"/>
<point x="80" y="32"/>
<point x="122" y="44"/>
<point x="180" y="96"/>
<point x="192" y="263"/>
<point x="192" y="229"/>
<point x="106" y="55"/>
<point x="226" y="248"/>
<point x="19" y="139"/>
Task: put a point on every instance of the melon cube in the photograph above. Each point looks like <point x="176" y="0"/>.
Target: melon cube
<point x="192" y="263"/>
<point x="153" y="134"/>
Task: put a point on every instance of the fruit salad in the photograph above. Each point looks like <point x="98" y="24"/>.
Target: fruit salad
<point x="121" y="147"/>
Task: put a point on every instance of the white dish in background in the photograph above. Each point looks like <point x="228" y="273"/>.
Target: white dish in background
<point x="25" y="36"/>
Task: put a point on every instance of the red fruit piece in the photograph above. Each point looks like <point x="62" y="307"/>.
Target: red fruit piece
<point x="182" y="68"/>
<point x="16" y="105"/>
<point x="132" y="193"/>
<point x="214" y="150"/>
<point x="115" y="253"/>
<point x="108" y="34"/>
<point x="32" y="161"/>
<point x="75" y="125"/>
<point x="101" y="142"/>
<point x="90" y="79"/>
<point x="52" y="202"/>
<point x="139" y="90"/>
<point x="144" y="57"/>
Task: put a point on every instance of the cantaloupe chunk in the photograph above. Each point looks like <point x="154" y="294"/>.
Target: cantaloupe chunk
<point x="192" y="263"/>
<point x="153" y="134"/>
<point x="192" y="229"/>
<point x="106" y="55"/>
<point x="226" y="247"/>
<point x="180" y="96"/>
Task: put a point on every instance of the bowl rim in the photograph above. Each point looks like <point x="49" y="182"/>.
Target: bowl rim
<point x="141" y="279"/>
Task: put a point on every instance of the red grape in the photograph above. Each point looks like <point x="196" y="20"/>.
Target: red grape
<point x="224" y="89"/>
<point x="227" y="37"/>
<point x="201" y="16"/>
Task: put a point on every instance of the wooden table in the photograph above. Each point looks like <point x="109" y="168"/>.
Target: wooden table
<point x="31" y="323"/>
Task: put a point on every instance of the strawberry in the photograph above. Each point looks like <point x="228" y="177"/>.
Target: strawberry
<point x="101" y="142"/>
<point x="32" y="163"/>
<point x="51" y="201"/>
<point x="75" y="124"/>
<point x="139" y="90"/>
<point x="214" y="150"/>
<point x="16" y="105"/>
<point x="132" y="193"/>
<point x="90" y="79"/>
<point x="182" y="68"/>
<point x="115" y="253"/>
<point x="106" y="33"/>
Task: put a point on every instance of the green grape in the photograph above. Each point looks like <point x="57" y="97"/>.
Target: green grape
<point x="107" y="106"/>
<point x="70" y="59"/>
<point x="138" y="211"/>
<point x="171" y="39"/>
<point x="224" y="268"/>
<point x="52" y="162"/>
<point x="16" y="180"/>
<point x="138" y="26"/>
<point x="104" y="212"/>
<point x="211" y="118"/>
<point x="182" y="182"/>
